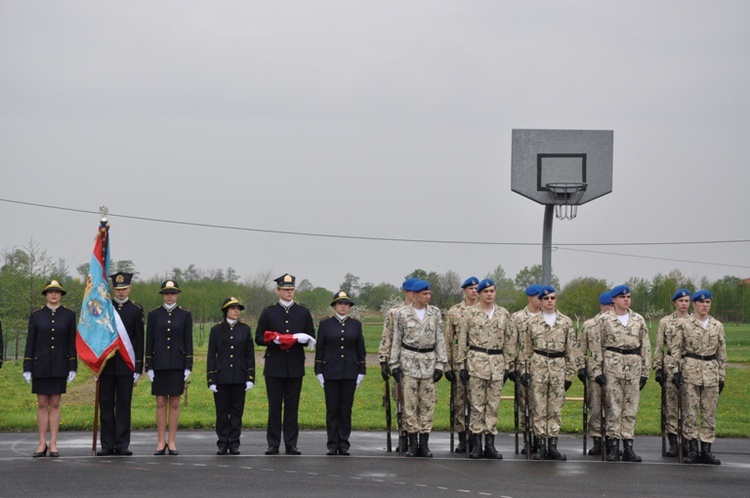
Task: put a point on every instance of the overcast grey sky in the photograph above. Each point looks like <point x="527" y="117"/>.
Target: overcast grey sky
<point x="378" y="118"/>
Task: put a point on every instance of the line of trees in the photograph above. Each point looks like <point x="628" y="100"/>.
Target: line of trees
<point x="24" y="271"/>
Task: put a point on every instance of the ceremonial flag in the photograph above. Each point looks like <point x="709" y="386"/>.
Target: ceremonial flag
<point x="100" y="329"/>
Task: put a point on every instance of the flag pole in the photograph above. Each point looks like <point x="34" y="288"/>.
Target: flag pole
<point x="104" y="228"/>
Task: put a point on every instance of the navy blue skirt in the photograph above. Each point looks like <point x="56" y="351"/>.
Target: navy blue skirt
<point x="168" y="383"/>
<point x="49" y="385"/>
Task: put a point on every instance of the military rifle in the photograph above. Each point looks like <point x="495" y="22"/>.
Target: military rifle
<point x="453" y="413"/>
<point x="527" y="414"/>
<point x="387" y="406"/>
<point x="400" y="416"/>
<point x="679" y="420"/>
<point x="664" y="416"/>
<point x="585" y="412"/>
<point x="515" y="401"/>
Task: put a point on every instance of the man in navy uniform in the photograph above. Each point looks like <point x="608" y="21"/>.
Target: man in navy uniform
<point x="117" y="379"/>
<point x="284" y="328"/>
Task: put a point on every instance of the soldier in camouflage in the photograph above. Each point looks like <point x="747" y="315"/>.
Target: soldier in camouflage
<point x="384" y="351"/>
<point x="482" y="336"/>
<point x="417" y="360"/>
<point x="452" y="319"/>
<point x="518" y="321"/>
<point x="662" y="360"/>
<point x="593" y="391"/>
<point x="550" y="345"/>
<point x="698" y="351"/>
<point x="621" y="360"/>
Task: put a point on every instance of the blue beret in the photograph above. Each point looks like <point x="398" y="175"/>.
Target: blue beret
<point x="469" y="282"/>
<point x="619" y="290"/>
<point x="533" y="290"/>
<point x="680" y="293"/>
<point x="408" y="283"/>
<point x="605" y="298"/>
<point x="547" y="289"/>
<point x="487" y="282"/>
<point x="701" y="295"/>
<point x="420" y="285"/>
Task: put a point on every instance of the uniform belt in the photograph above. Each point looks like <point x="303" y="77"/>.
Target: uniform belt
<point x="418" y="350"/>
<point x="699" y="357"/>
<point x="624" y="351"/>
<point x="485" y="350"/>
<point x="559" y="354"/>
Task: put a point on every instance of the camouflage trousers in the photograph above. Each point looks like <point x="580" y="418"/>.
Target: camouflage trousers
<point x="419" y="404"/>
<point x="458" y="388"/>
<point x="703" y="399"/>
<point x="594" y="398"/>
<point x="484" y="399"/>
<point x="547" y="399"/>
<point x="621" y="404"/>
<point x="670" y="414"/>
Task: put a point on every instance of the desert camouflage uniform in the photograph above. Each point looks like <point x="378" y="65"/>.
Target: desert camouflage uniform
<point x="548" y="374"/>
<point x="623" y="370"/>
<point x="418" y="367"/>
<point x="593" y="391"/>
<point x="700" y="377"/>
<point x="481" y="347"/>
<point x="663" y="361"/>
<point x="384" y="350"/>
<point x="452" y="320"/>
<point x="518" y="321"/>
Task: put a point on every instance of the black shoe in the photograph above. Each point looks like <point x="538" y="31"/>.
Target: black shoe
<point x="103" y="452"/>
<point x="272" y="450"/>
<point x="234" y="451"/>
<point x="475" y="443"/>
<point x="692" y="455"/>
<point x="160" y="451"/>
<point x="221" y="451"/>
<point x="541" y="451"/>
<point x="292" y="450"/>
<point x="424" y="448"/>
<point x="461" y="448"/>
<point x="552" y="453"/>
<point x="413" y="445"/>
<point x="707" y="456"/>
<point x="124" y="452"/>
<point x="38" y="454"/>
<point x="54" y="454"/>
<point x="489" y="448"/>
<point x="344" y="452"/>
<point x="628" y="455"/>
<point x="596" y="449"/>
<point x="332" y="452"/>
<point x="172" y="452"/>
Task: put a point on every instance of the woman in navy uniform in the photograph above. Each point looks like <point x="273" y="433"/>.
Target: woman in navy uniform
<point x="340" y="367"/>
<point x="50" y="362"/>
<point x="169" y="360"/>
<point x="230" y="370"/>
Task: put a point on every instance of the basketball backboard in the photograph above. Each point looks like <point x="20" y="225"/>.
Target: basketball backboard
<point x="541" y="157"/>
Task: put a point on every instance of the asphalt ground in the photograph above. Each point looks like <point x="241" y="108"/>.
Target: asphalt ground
<point x="369" y="471"/>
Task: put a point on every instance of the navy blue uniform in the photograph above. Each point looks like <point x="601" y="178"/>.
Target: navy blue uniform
<point x="169" y="348"/>
<point x="116" y="382"/>
<point x="50" y="349"/>
<point x="340" y="356"/>
<point x="229" y="365"/>
<point x="283" y="369"/>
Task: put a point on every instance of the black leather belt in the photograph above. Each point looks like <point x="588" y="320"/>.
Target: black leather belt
<point x="485" y="350"/>
<point x="699" y="357"/>
<point x="550" y="355"/>
<point x="624" y="351"/>
<point x="418" y="350"/>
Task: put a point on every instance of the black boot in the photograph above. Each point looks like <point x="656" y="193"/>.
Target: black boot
<point x="613" y="449"/>
<point x="461" y="448"/>
<point x="628" y="454"/>
<point x="541" y="451"/>
<point x="692" y="454"/>
<point x="552" y="453"/>
<point x="489" y="448"/>
<point x="673" y="450"/>
<point x="596" y="449"/>
<point x="706" y="456"/>
<point x="403" y="442"/>
<point x="476" y="446"/>
<point x="413" y="445"/>
<point x="424" y="449"/>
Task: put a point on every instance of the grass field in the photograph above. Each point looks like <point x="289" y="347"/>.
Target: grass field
<point x="19" y="405"/>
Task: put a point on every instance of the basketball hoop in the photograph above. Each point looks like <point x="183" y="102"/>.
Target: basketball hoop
<point x="566" y="196"/>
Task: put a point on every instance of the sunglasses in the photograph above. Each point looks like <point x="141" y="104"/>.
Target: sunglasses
<point x="549" y="298"/>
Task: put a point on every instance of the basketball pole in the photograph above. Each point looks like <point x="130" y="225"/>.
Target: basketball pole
<point x="549" y="211"/>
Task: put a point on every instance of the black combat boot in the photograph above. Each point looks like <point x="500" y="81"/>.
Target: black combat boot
<point x="706" y="456"/>
<point x="461" y="448"/>
<point x="541" y="451"/>
<point x="552" y="453"/>
<point x="424" y="449"/>
<point x="596" y="449"/>
<point x="628" y="454"/>
<point x="673" y="450"/>
<point x="692" y="454"/>
<point x="413" y="445"/>
<point x="489" y="448"/>
<point x="613" y="449"/>
<point x="476" y="446"/>
<point x="403" y="442"/>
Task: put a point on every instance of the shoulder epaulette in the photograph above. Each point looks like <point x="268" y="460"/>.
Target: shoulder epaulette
<point x="137" y="304"/>
<point x="183" y="309"/>
<point x="271" y="305"/>
<point x="303" y="305"/>
<point x="156" y="309"/>
<point x="66" y="308"/>
<point x="40" y="308"/>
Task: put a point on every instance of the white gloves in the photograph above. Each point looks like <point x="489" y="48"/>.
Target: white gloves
<point x="27" y="376"/>
<point x="187" y="374"/>
<point x="320" y="379"/>
<point x="248" y="385"/>
<point x="136" y="376"/>
<point x="213" y="388"/>
<point x="305" y="339"/>
<point x="359" y="378"/>
<point x="150" y="374"/>
<point x="71" y="376"/>
<point x="277" y="339"/>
